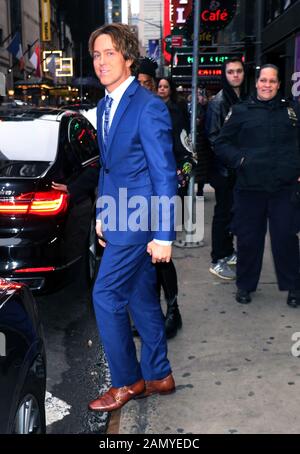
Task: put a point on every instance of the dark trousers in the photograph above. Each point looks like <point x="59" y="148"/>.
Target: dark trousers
<point x="221" y="237"/>
<point x="252" y="210"/>
<point x="167" y="279"/>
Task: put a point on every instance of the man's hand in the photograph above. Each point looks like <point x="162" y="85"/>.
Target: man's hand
<point x="100" y="234"/>
<point x="159" y="252"/>
<point x="59" y="187"/>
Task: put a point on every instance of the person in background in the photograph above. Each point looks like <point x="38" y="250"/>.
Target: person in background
<point x="166" y="272"/>
<point x="261" y="141"/>
<point x="204" y="153"/>
<point x="135" y="143"/>
<point x="221" y="179"/>
<point x="180" y="128"/>
<point x="147" y="73"/>
<point x="82" y="186"/>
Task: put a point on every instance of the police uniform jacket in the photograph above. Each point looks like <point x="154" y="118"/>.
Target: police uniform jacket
<point x="261" y="140"/>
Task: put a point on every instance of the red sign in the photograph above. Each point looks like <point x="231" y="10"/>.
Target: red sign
<point x="180" y="10"/>
<point x="215" y="15"/>
<point x="209" y="72"/>
<point x="177" y="41"/>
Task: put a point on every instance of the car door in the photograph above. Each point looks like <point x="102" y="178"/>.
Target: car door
<point x="22" y="362"/>
<point x="83" y="152"/>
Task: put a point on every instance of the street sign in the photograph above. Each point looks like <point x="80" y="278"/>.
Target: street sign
<point x="66" y="67"/>
<point x="210" y="63"/>
<point x="186" y="59"/>
<point x="177" y="41"/>
<point x="211" y="71"/>
<point x="47" y="56"/>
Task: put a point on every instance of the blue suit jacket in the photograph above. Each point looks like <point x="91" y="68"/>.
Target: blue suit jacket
<point x="138" y="160"/>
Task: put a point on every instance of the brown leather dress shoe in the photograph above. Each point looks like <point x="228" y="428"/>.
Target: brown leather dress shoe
<point x="164" y="386"/>
<point x="115" y="398"/>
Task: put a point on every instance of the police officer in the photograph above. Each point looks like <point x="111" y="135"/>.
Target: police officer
<point x="222" y="252"/>
<point x="261" y="140"/>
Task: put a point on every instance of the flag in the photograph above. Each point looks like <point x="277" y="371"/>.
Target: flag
<point x="15" y="48"/>
<point x="153" y="49"/>
<point x="52" y="67"/>
<point x="35" y="60"/>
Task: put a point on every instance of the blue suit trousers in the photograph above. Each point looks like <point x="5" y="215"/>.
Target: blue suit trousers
<point x="126" y="284"/>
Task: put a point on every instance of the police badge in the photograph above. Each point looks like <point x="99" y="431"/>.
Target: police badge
<point x="292" y="114"/>
<point x="228" y="115"/>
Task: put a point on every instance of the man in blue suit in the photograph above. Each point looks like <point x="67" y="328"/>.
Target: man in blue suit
<point x="137" y="167"/>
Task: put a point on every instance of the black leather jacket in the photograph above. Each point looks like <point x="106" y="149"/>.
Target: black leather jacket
<point x="217" y="111"/>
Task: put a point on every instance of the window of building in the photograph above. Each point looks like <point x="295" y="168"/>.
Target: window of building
<point x="274" y="8"/>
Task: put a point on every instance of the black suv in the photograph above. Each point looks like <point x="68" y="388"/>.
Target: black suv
<point x="44" y="233"/>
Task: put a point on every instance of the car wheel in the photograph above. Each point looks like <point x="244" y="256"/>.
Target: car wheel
<point x="30" y="415"/>
<point x="94" y="254"/>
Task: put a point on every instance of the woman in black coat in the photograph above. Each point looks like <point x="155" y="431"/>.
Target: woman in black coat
<point x="184" y="160"/>
<point x="261" y="140"/>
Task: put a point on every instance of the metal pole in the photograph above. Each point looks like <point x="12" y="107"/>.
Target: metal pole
<point x="191" y="239"/>
<point x="258" y="41"/>
<point x="195" y="71"/>
<point x="5" y="39"/>
<point x="161" y="45"/>
<point x="80" y="72"/>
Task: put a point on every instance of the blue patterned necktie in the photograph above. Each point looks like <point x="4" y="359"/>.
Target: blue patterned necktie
<point x="108" y="103"/>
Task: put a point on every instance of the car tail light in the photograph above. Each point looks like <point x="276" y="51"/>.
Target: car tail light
<point x="48" y="203"/>
<point x="40" y="203"/>
<point x="35" y="270"/>
<point x="4" y="285"/>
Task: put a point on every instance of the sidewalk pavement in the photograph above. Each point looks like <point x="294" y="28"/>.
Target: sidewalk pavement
<point x="232" y="363"/>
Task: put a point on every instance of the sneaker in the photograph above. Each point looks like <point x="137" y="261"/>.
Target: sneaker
<point x="231" y="259"/>
<point x="222" y="270"/>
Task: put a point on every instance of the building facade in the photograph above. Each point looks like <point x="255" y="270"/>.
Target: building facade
<point x="150" y="23"/>
<point x="4" y="34"/>
<point x="113" y="11"/>
<point x="25" y="18"/>
<point x="281" y="39"/>
<point x="21" y="16"/>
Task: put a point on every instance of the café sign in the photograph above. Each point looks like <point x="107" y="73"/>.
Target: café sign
<point x="215" y="14"/>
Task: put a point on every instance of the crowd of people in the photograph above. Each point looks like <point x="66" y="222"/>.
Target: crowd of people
<point x="248" y="150"/>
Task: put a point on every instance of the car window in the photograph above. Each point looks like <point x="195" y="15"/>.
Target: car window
<point x="16" y="169"/>
<point x="67" y="163"/>
<point x="83" y="139"/>
<point x="34" y="140"/>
